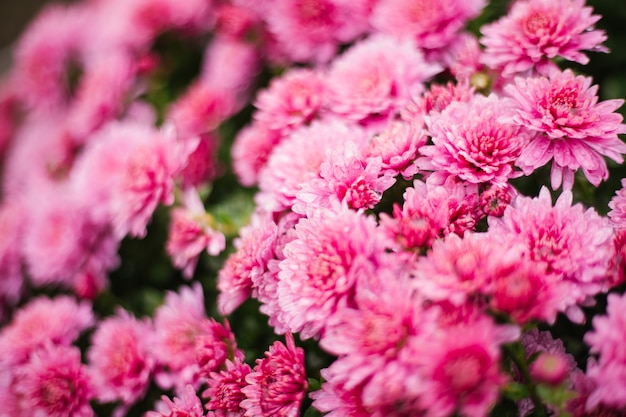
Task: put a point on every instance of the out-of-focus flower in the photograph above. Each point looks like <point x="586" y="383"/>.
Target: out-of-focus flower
<point x="187" y="406"/>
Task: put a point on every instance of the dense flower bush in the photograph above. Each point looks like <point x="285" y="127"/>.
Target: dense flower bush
<point x="388" y="208"/>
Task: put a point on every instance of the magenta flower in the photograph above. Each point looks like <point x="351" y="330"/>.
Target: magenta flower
<point x="476" y="141"/>
<point x="278" y="382"/>
<point x="618" y="207"/>
<point x="187" y="406"/>
<point x="225" y="390"/>
<point x="251" y="150"/>
<point x="536" y="31"/>
<point x="573" y="129"/>
<point x="575" y="244"/>
<point x="606" y="340"/>
<point x="119" y="361"/>
<point x="53" y="383"/>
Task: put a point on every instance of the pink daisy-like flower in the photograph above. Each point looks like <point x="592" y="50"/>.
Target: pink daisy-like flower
<point x="573" y="129"/>
<point x="431" y="211"/>
<point x="332" y="249"/>
<point x="224" y="392"/>
<point x="436" y="99"/>
<point x="432" y="24"/>
<point x="618" y="207"/>
<point x="53" y="383"/>
<point x="463" y="57"/>
<point x="377" y="77"/>
<point x="187" y="406"/>
<point x="278" y="384"/>
<point x="476" y="141"/>
<point x="192" y="231"/>
<point x="119" y="361"/>
<point x="291" y="100"/>
<point x="536" y="31"/>
<point x="43" y="320"/>
<point x="575" y="244"/>
<point x="252" y="147"/>
<point x="606" y="340"/>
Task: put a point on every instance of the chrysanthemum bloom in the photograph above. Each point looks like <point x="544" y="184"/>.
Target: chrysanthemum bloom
<point x="376" y="77"/>
<point x="200" y="164"/>
<point x="53" y="383"/>
<point x="436" y="99"/>
<point x="476" y="141"/>
<point x="291" y="100"/>
<point x="251" y="150"/>
<point x="187" y="344"/>
<point x="187" y="406"/>
<point x="618" y="207"/>
<point x="536" y="31"/>
<point x="120" y="364"/>
<point x="12" y="223"/>
<point x="298" y="158"/>
<point x="463" y="57"/>
<point x="460" y="367"/>
<point x="576" y="244"/>
<point x="572" y="128"/>
<point x="607" y="341"/>
<point x="431" y="211"/>
<point x="254" y="248"/>
<point x="397" y="146"/>
<point x="494" y="200"/>
<point x="311" y="30"/>
<point x="432" y="24"/>
<point x="192" y="231"/>
<point x="332" y="249"/>
<point x="43" y="320"/>
<point x="126" y="187"/>
<point x="224" y="392"/>
<point x="345" y="177"/>
<point x="278" y="382"/>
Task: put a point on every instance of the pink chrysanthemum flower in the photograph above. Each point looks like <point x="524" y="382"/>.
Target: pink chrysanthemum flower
<point x="192" y="231"/>
<point x="53" y="383"/>
<point x="200" y="163"/>
<point x="431" y="211"/>
<point x="12" y="222"/>
<point x="573" y="129"/>
<point x="127" y="186"/>
<point x="291" y="100"/>
<point x="252" y="147"/>
<point x="332" y="249"/>
<point x="278" y="383"/>
<point x="397" y="146"/>
<point x="298" y="158"/>
<point x="476" y="141"/>
<point x="224" y="392"/>
<point x="377" y="77"/>
<point x="432" y="24"/>
<point x="345" y="177"/>
<point x="607" y="341"/>
<point x="187" y="406"/>
<point x="575" y="244"/>
<point x="254" y="249"/>
<point x="436" y="99"/>
<point x="494" y="200"/>
<point x="43" y="320"/>
<point x="119" y="361"/>
<point x="536" y="31"/>
<point x="618" y="207"/>
<point x="463" y="57"/>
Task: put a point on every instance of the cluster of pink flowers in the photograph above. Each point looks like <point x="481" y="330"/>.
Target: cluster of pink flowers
<point x="389" y="225"/>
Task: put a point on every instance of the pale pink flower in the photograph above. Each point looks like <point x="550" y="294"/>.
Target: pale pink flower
<point x="576" y="244"/>
<point x="254" y="248"/>
<point x="235" y="21"/>
<point x="536" y="31"/>
<point x="126" y="172"/>
<point x="337" y="401"/>
<point x="606" y="340"/>
<point x="298" y="158"/>
<point x="618" y="207"/>
<point x="463" y="57"/>
<point x="311" y="30"/>
<point x="53" y="383"/>
<point x="293" y="99"/>
<point x="191" y="231"/>
<point x="476" y="141"/>
<point x="252" y="147"/>
<point x="224" y="392"/>
<point x="187" y="406"/>
<point x="431" y="24"/>
<point x="43" y="320"/>
<point x="120" y="364"/>
<point x="345" y="177"/>
<point x="376" y="77"/>
<point x="332" y="249"/>
<point x="572" y="128"/>
<point x="397" y="146"/>
<point x="278" y="384"/>
<point x="431" y="211"/>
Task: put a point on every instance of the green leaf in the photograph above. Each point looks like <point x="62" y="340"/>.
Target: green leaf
<point x="516" y="391"/>
<point x="312" y="412"/>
